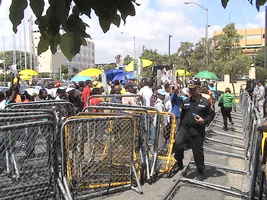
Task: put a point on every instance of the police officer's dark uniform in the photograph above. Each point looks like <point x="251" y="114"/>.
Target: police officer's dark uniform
<point x="190" y="131"/>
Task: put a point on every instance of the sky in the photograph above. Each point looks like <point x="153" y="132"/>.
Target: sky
<point x="155" y="20"/>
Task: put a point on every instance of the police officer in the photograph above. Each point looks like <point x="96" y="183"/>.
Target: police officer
<point x="196" y="114"/>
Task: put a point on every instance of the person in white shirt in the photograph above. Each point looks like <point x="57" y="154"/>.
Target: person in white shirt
<point x="159" y="105"/>
<point x="146" y="93"/>
<point x="259" y="93"/>
<point x="167" y="100"/>
<point x="2" y="101"/>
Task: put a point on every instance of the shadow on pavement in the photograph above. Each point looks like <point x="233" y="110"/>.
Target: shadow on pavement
<point x="209" y="172"/>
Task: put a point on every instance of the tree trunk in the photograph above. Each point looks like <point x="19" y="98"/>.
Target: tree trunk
<point x="233" y="85"/>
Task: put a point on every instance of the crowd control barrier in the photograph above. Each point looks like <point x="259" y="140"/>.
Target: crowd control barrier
<point x="98" y="155"/>
<point x="28" y="160"/>
<point x="62" y="108"/>
<point x="119" y="98"/>
<point x="142" y="117"/>
<point x="158" y="137"/>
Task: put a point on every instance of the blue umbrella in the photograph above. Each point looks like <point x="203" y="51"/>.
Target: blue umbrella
<point x="120" y="77"/>
<point x="110" y="74"/>
<point x="130" y="75"/>
<point x="78" y="78"/>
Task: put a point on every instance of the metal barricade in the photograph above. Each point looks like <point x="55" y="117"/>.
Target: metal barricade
<point x="29" y="162"/>
<point x="118" y="98"/>
<point x="98" y="155"/>
<point x="165" y="144"/>
<point x="143" y="121"/>
<point x="159" y="138"/>
<point x="62" y="108"/>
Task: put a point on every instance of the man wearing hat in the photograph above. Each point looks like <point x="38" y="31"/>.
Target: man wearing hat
<point x="196" y="114"/>
<point x="259" y="93"/>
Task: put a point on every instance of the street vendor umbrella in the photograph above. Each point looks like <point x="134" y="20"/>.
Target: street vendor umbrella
<point x="78" y="78"/>
<point x="25" y="77"/>
<point x="91" y="72"/>
<point x="130" y="75"/>
<point x="29" y="72"/>
<point x="206" y="75"/>
<point x="182" y="72"/>
<point x="146" y="62"/>
<point x="120" y="77"/>
<point x="130" y="67"/>
<point x="110" y="74"/>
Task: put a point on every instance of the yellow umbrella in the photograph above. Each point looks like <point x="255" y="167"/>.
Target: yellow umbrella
<point x="182" y="72"/>
<point x="28" y="72"/>
<point x="92" y="72"/>
<point x="129" y="67"/>
<point x="26" y="77"/>
<point x="146" y="62"/>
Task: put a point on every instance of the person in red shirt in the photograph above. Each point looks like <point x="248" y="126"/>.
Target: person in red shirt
<point x="95" y="101"/>
<point x="86" y="92"/>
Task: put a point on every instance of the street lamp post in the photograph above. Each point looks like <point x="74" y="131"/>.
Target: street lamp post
<point x="170" y="36"/>
<point x="206" y="27"/>
<point x="265" y="39"/>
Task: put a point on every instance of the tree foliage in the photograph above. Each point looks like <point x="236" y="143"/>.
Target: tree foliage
<point x="261" y="72"/>
<point x="127" y="59"/>
<point x="259" y="58"/>
<point x="258" y="3"/>
<point x="66" y="15"/>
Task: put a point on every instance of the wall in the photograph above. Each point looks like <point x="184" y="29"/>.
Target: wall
<point x="222" y="85"/>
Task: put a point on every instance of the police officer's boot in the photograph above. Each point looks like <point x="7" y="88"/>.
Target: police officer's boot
<point x="200" y="174"/>
<point x="177" y="166"/>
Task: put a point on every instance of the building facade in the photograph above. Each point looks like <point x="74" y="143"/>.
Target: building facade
<point x="252" y="39"/>
<point x="49" y="63"/>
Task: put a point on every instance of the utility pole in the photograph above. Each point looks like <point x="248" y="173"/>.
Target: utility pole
<point x="31" y="44"/>
<point x="170" y="36"/>
<point x="207" y="36"/>
<point x="25" y="45"/>
<point x="206" y="28"/>
<point x="14" y="50"/>
<point x="4" y="53"/>
<point x="265" y="38"/>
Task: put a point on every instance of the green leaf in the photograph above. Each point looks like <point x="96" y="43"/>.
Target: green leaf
<point x="104" y="23"/>
<point x="84" y="42"/>
<point x="84" y="7"/>
<point x="43" y="45"/>
<point x="126" y="8"/>
<point x="76" y="11"/>
<point x="70" y="44"/>
<point x="16" y="12"/>
<point x="260" y="3"/>
<point x="54" y="42"/>
<point x="117" y="20"/>
<point x="37" y="7"/>
<point x="224" y="3"/>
